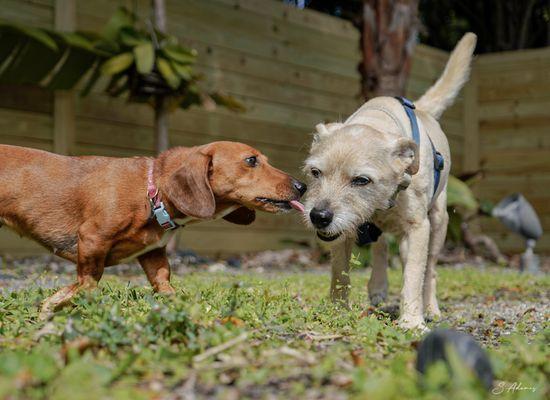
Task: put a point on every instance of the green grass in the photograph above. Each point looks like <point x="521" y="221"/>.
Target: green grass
<point x="123" y="342"/>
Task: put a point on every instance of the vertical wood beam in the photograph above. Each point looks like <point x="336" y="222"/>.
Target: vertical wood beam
<point x="64" y="100"/>
<point x="470" y="118"/>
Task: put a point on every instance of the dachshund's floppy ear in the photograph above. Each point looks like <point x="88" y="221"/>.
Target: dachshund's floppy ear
<point x="241" y="216"/>
<point x="189" y="189"/>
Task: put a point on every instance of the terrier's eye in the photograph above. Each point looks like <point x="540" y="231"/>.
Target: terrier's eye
<point x="315" y="172"/>
<point x="360" y="181"/>
<point x="251" y="161"/>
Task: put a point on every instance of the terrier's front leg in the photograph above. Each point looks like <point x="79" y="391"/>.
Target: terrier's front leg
<point x="378" y="282"/>
<point x="418" y="239"/>
<point x="340" y="283"/>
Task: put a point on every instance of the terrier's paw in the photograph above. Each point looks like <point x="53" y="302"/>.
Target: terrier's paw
<point x="377" y="298"/>
<point x="413" y="324"/>
<point x="432" y="312"/>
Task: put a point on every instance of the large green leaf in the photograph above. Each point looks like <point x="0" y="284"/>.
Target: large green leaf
<point x="171" y="77"/>
<point x="79" y="57"/>
<point x="145" y="57"/>
<point x="28" y="54"/>
<point x="184" y="71"/>
<point x="40" y="35"/>
<point x="9" y="45"/>
<point x="92" y="80"/>
<point x="178" y="54"/>
<point x="35" y="60"/>
<point x="129" y="36"/>
<point x="460" y="195"/>
<point x="228" y="102"/>
<point x="77" y="63"/>
<point x="32" y="62"/>
<point x="116" y="81"/>
<point x="117" y="64"/>
<point x="75" y="39"/>
<point x="122" y="18"/>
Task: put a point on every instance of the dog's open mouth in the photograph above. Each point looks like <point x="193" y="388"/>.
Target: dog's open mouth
<point x="283" y="204"/>
<point x="327" y="237"/>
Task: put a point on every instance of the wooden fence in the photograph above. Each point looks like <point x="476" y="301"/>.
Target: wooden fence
<point x="513" y="137"/>
<point x="291" y="68"/>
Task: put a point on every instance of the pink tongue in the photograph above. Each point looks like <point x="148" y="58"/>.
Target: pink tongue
<point x="297" y="205"/>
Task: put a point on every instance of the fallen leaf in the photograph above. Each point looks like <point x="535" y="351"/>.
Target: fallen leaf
<point x="79" y="345"/>
<point x="357" y="357"/>
<point x="369" y="311"/>
<point x="233" y="321"/>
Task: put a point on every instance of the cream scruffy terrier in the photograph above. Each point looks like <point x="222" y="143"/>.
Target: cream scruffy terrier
<point x="386" y="168"/>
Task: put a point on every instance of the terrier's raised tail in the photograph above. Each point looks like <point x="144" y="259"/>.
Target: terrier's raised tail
<point x="442" y="94"/>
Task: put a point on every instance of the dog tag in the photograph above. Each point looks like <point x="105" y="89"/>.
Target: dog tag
<point x="163" y="218"/>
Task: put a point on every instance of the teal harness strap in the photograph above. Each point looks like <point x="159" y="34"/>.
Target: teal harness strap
<point x="439" y="162"/>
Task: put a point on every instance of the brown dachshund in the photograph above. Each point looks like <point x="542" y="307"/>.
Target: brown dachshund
<point x="100" y="211"/>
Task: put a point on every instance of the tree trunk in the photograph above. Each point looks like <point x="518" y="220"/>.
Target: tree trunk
<point x="389" y="34"/>
<point x="162" y="142"/>
<point x="161" y="113"/>
<point x="162" y="139"/>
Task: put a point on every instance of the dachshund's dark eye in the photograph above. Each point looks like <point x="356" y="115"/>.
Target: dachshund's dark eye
<point x="315" y="172"/>
<point x="360" y="181"/>
<point x="251" y="161"/>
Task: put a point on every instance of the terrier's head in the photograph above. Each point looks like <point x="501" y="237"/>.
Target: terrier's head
<point x="353" y="170"/>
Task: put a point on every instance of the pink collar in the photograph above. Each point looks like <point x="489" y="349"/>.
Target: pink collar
<point x="152" y="190"/>
<point x="158" y="211"/>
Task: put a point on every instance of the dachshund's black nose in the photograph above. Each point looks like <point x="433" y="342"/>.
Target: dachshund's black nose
<point x="321" y="218"/>
<point x="299" y="186"/>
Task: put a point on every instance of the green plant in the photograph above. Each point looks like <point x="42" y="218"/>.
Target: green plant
<point x="461" y="205"/>
<point x="123" y="342"/>
<point x="141" y="63"/>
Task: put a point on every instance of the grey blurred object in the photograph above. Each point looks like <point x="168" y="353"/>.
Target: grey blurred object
<point x="518" y="215"/>
<point x="434" y="348"/>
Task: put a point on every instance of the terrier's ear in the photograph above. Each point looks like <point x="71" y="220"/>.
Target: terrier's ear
<point x="406" y="155"/>
<point x="323" y="130"/>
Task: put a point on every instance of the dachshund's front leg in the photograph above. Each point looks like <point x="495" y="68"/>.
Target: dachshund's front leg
<point x="156" y="267"/>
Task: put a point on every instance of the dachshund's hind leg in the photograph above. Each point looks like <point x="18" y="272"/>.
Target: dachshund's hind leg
<point x="90" y="266"/>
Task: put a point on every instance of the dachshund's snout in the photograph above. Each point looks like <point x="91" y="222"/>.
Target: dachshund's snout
<point x="299" y="186"/>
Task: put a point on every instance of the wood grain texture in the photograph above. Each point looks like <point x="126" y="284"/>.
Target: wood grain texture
<point x="292" y="69"/>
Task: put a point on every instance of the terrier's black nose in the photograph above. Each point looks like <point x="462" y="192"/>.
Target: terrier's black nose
<point x="321" y="218"/>
<point x="299" y="186"/>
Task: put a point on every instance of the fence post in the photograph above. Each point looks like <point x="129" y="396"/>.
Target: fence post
<point x="64" y="100"/>
<point x="470" y="118"/>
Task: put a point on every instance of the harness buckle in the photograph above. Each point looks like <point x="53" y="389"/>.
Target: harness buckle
<point x="439" y="161"/>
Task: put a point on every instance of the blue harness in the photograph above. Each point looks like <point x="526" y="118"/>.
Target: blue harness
<point x="439" y="162"/>
<point x="368" y="232"/>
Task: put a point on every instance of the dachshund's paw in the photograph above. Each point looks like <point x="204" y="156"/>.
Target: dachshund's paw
<point x="165" y="289"/>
